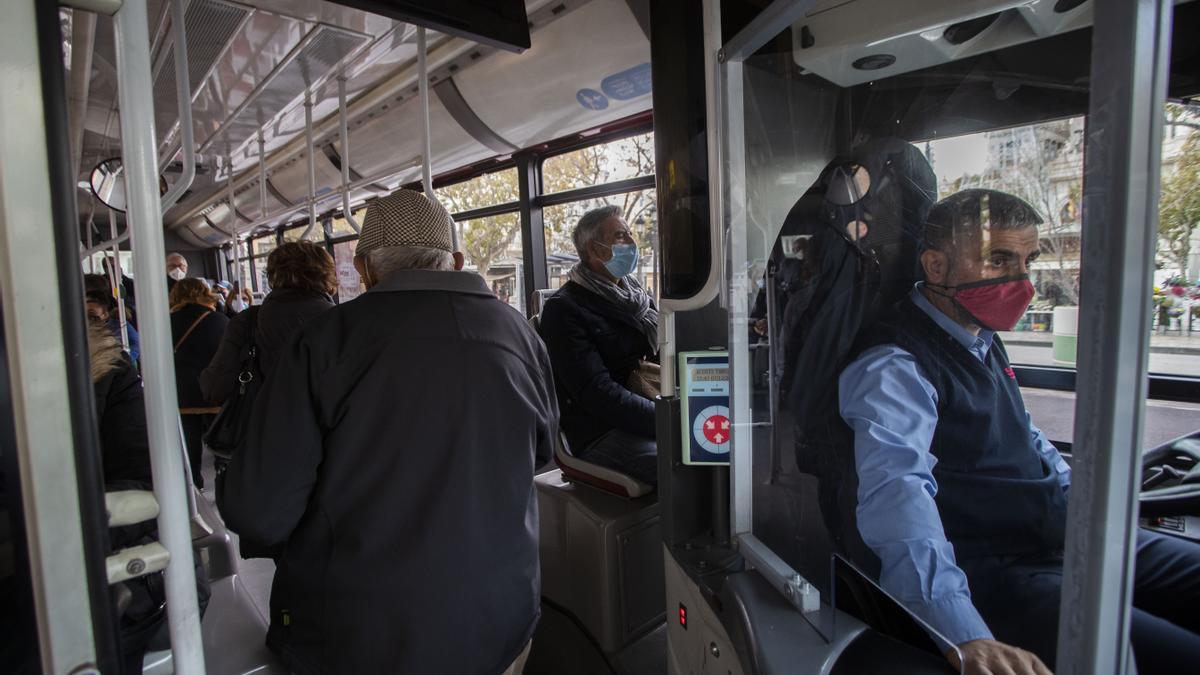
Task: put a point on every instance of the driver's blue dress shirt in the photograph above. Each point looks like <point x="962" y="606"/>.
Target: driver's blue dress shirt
<point x="892" y="408"/>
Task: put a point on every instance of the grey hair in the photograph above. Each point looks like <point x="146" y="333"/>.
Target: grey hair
<point x="587" y="229"/>
<point x="386" y="261"/>
<point x="176" y="254"/>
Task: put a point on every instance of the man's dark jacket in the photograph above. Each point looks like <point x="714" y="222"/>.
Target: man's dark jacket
<point x="594" y="347"/>
<point x="392" y="455"/>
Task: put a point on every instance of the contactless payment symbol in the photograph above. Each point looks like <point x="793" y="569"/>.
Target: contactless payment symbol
<point x="711" y="430"/>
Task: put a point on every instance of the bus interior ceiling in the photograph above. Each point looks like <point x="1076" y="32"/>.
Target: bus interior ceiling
<point x="251" y="66"/>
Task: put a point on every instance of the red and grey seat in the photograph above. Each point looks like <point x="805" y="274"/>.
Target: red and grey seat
<point x="602" y="478"/>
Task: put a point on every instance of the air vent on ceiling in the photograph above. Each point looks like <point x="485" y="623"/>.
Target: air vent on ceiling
<point x="210" y="25"/>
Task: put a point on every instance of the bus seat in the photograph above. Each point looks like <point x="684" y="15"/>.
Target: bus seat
<point x="596" y="476"/>
<point x="601" y="560"/>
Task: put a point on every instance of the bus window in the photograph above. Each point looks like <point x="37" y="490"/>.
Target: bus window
<point x="597" y="164"/>
<point x="640" y="212"/>
<point x="492" y="248"/>
<point x="349" y="283"/>
<point x="1043" y="163"/>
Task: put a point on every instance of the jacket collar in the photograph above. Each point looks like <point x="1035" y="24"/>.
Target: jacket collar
<point x="429" y="280"/>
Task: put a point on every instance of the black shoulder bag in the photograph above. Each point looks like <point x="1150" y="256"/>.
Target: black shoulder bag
<point x="228" y="430"/>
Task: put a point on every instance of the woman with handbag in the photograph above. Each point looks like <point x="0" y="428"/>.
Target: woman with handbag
<point x="302" y="278"/>
<point x="196" y="329"/>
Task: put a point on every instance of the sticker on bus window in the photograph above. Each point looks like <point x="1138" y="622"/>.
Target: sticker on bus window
<point x="704" y="398"/>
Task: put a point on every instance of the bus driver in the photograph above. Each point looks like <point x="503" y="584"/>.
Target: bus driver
<point x="962" y="498"/>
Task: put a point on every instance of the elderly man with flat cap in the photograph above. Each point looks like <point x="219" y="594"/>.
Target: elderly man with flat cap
<point x="391" y="461"/>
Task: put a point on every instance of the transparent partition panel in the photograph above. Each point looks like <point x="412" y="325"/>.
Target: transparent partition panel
<point x="903" y="187"/>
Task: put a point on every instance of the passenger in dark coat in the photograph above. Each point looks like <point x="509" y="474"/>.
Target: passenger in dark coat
<point x="392" y="454"/>
<point x="302" y="278"/>
<point x="196" y="331"/>
<point x="600" y="329"/>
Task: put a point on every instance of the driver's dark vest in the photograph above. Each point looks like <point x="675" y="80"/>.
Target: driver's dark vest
<point x="995" y="493"/>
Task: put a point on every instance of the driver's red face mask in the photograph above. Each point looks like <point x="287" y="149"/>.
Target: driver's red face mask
<point x="995" y="304"/>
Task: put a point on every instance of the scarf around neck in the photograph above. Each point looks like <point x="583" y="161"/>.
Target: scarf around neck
<point x="627" y="295"/>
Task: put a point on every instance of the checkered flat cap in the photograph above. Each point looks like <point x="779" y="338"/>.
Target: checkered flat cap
<point x="405" y="218"/>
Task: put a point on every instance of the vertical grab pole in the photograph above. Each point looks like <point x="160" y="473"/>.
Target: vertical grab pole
<point x="138" y="141"/>
<point x="1121" y="181"/>
<point x="312" y="166"/>
<point x="262" y="176"/>
<point x="115" y="271"/>
<point x="237" y="245"/>
<point x="183" y="98"/>
<point x="344" y="125"/>
<point x="426" y="151"/>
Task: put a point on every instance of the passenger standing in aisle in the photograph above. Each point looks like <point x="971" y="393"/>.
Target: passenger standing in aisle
<point x="177" y="267"/>
<point x="303" y="279"/>
<point x="392" y="456"/>
<point x="196" y="332"/>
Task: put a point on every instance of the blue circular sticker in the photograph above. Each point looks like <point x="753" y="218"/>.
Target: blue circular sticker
<point x="591" y="99"/>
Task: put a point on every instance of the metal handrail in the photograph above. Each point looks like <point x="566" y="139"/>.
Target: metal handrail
<point x="331" y="195"/>
<point x="91" y="251"/>
<point x="138" y="145"/>
<point x="309" y="152"/>
<point x="183" y="96"/>
<point x="106" y="7"/>
<point x="344" y="127"/>
<point x="426" y="143"/>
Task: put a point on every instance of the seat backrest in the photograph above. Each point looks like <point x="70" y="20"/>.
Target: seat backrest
<point x="602" y="478"/>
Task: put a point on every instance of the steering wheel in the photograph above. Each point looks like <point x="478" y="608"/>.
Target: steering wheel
<point x="1171" y="479"/>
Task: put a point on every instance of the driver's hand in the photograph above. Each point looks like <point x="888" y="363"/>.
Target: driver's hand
<point x="988" y="657"/>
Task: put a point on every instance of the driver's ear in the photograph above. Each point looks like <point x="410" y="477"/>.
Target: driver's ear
<point x="936" y="266"/>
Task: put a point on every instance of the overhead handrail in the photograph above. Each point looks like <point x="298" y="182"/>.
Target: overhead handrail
<point x="109" y="243"/>
<point x="262" y="175"/>
<point x="115" y="274"/>
<point x="334" y="193"/>
<point x="427" y="145"/>
<point x="183" y="97"/>
<point x="237" y="242"/>
<point x="344" y="125"/>
<point x="105" y="7"/>
<point x="135" y="97"/>
<point x="312" y="166"/>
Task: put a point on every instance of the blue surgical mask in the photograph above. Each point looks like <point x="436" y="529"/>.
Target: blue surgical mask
<point x="624" y="259"/>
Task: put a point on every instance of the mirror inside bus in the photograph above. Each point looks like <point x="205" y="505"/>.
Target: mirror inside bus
<point x="108" y="183"/>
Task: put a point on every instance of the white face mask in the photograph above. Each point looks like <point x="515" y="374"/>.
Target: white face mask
<point x="176" y="273"/>
<point x="237" y="305"/>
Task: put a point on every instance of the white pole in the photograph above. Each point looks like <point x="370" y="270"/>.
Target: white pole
<point x="115" y="275"/>
<point x="139" y="155"/>
<point x="427" y="152"/>
<point x="183" y="97"/>
<point x="344" y="126"/>
<point x="312" y="166"/>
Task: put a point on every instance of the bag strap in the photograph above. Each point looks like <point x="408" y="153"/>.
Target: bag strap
<point x="190" y="329"/>
<point x="252" y="352"/>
